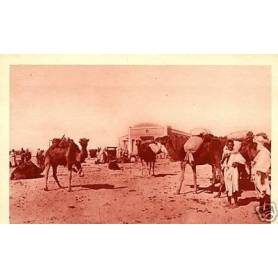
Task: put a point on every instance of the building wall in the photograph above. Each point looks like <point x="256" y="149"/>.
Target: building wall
<point x="144" y="131"/>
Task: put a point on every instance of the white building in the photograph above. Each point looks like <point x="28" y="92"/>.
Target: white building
<point x="144" y="131"/>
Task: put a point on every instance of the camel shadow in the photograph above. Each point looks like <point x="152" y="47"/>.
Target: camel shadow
<point x="32" y="178"/>
<point x="246" y="201"/>
<point x="163" y="175"/>
<point x="246" y="185"/>
<point x="98" y="186"/>
<point x="207" y="189"/>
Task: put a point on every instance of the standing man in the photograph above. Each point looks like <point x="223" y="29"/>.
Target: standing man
<point x="230" y="162"/>
<point x="22" y="156"/>
<point x="261" y="170"/>
<point x="40" y="158"/>
<point x="28" y="155"/>
<point x="13" y="158"/>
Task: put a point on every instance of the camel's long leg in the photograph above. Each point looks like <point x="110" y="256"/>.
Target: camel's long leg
<point x="70" y="177"/>
<point x="213" y="175"/>
<point x="47" y="167"/>
<point x="183" y="164"/>
<point x="195" y="177"/>
<point x="222" y="184"/>
<point x="54" y="167"/>
<point x="153" y="167"/>
<point x="142" y="167"/>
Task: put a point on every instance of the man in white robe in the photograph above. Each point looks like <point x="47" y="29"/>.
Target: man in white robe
<point x="230" y="160"/>
<point x="261" y="170"/>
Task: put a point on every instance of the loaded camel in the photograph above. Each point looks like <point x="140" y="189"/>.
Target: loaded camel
<point x="210" y="152"/>
<point x="65" y="152"/>
<point x="147" y="152"/>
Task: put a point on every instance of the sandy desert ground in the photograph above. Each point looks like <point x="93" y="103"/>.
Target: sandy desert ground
<point x="124" y="196"/>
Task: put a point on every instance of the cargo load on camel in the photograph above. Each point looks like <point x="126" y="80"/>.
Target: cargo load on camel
<point x="240" y="135"/>
<point x="194" y="142"/>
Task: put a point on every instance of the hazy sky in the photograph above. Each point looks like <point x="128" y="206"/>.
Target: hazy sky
<point x="100" y="102"/>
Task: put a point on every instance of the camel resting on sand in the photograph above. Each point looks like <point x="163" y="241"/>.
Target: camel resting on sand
<point x="65" y="152"/>
<point x="27" y="170"/>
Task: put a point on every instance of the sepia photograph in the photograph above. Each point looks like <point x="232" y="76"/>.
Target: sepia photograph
<point x="149" y="144"/>
<point x="160" y="115"/>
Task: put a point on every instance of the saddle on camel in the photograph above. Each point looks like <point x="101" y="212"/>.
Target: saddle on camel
<point x="65" y="152"/>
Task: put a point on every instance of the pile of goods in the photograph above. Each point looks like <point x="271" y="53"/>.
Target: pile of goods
<point x="195" y="140"/>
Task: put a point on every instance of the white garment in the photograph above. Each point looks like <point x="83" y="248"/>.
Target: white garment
<point x="262" y="161"/>
<point x="261" y="139"/>
<point x="261" y="168"/>
<point x="231" y="175"/>
<point x="199" y="131"/>
<point x="157" y="147"/>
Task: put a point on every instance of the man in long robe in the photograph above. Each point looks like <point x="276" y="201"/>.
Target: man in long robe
<point x="261" y="170"/>
<point x="230" y="161"/>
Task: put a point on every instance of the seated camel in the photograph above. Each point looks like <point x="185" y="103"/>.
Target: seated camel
<point x="65" y="152"/>
<point x="26" y="170"/>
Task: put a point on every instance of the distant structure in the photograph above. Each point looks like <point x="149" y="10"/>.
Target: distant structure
<point x="144" y="131"/>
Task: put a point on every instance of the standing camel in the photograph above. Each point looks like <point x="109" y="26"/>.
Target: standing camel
<point x="147" y="152"/>
<point x="210" y="152"/>
<point x="65" y="152"/>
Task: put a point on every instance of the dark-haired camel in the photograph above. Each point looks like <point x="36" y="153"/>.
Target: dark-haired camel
<point x="147" y="154"/>
<point x="210" y="152"/>
<point x="65" y="152"/>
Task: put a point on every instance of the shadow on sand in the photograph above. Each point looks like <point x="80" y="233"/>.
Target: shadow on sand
<point x="32" y="178"/>
<point x="246" y="201"/>
<point x="163" y="175"/>
<point x="98" y="186"/>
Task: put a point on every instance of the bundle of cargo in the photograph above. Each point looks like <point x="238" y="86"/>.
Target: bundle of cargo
<point x="261" y="138"/>
<point x="199" y="131"/>
<point x="264" y="136"/>
<point x="193" y="144"/>
<point x="240" y="135"/>
<point x="196" y="139"/>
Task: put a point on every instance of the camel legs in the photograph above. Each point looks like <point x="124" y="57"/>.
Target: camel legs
<point x="142" y="167"/>
<point x="54" y="167"/>
<point x="70" y="177"/>
<point x="213" y="175"/>
<point x="153" y="166"/>
<point x="183" y="164"/>
<point x="222" y="185"/>
<point x="195" y="177"/>
<point x="150" y="167"/>
<point x="47" y="167"/>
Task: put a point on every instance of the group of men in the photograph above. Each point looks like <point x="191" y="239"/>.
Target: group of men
<point x="261" y="165"/>
<point x="23" y="156"/>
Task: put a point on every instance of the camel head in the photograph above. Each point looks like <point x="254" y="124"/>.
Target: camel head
<point x="138" y="142"/>
<point x="84" y="153"/>
<point x="248" y="150"/>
